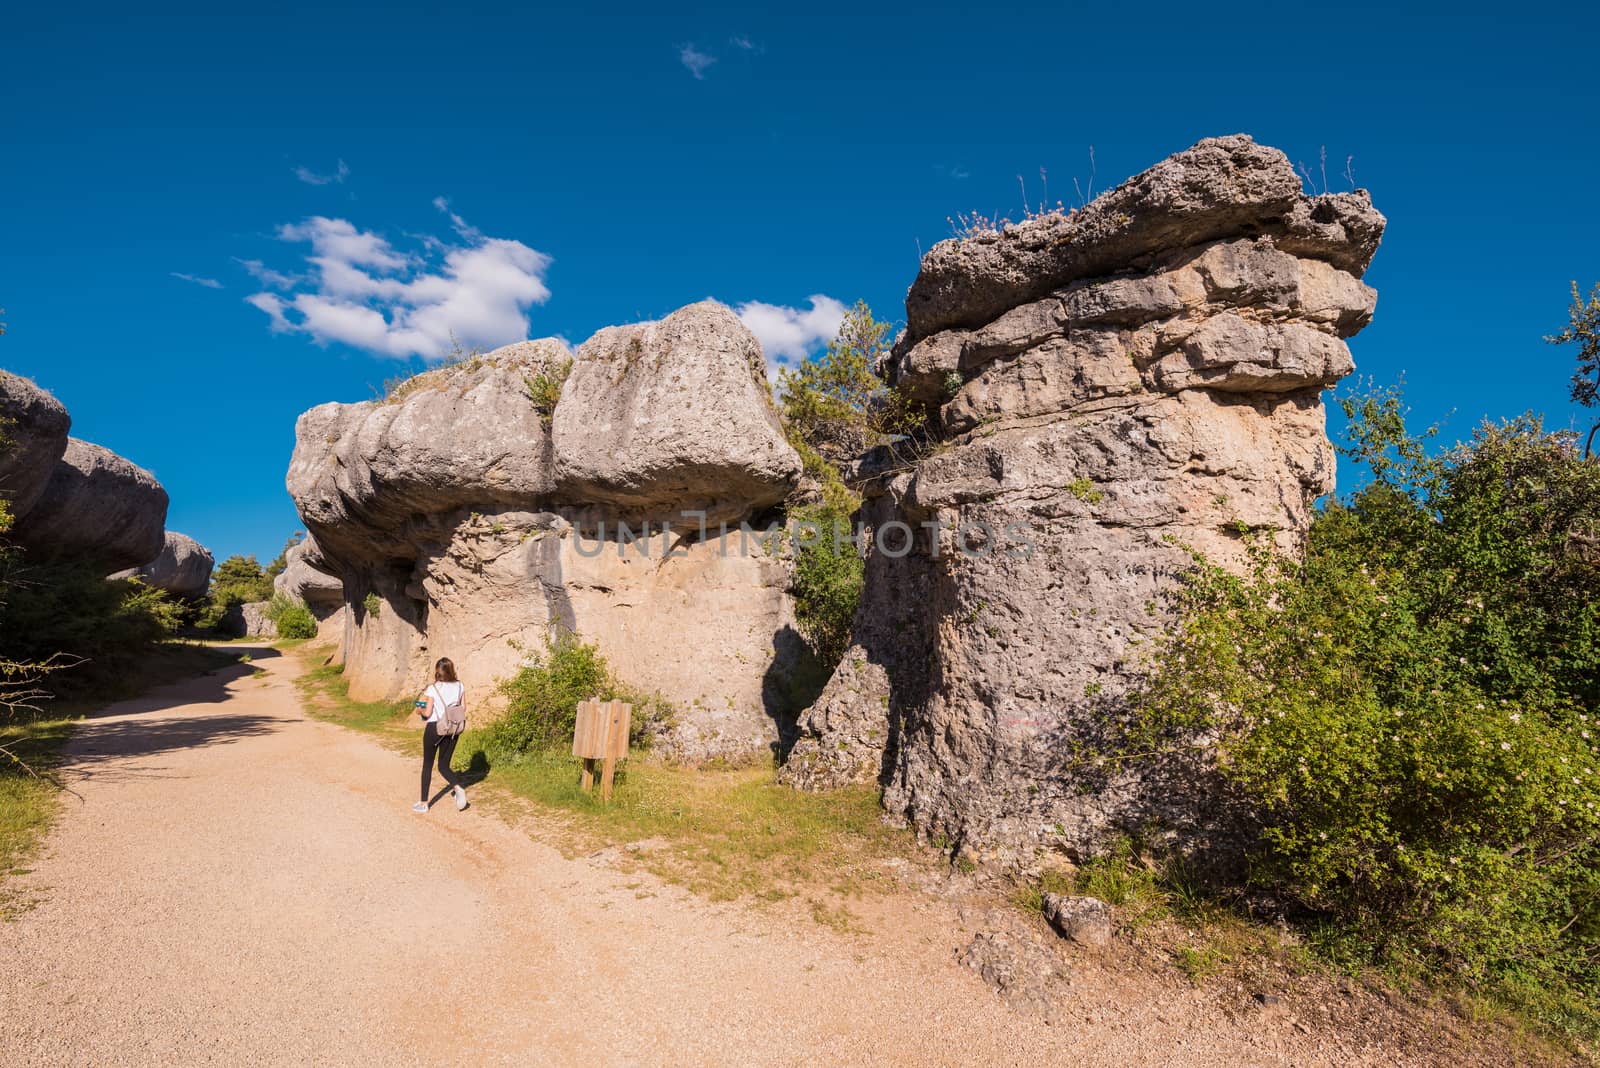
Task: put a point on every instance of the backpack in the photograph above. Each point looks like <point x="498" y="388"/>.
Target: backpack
<point x="452" y="717"/>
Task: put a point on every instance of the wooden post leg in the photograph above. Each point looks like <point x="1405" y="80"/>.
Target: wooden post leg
<point x="608" y="768"/>
<point x="588" y="775"/>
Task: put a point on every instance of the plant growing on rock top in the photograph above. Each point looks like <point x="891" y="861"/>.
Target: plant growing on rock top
<point x="544" y="388"/>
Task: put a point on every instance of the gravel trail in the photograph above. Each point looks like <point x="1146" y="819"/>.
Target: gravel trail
<point x="236" y="884"/>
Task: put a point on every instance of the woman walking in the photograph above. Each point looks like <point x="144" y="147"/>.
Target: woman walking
<point x="444" y="706"/>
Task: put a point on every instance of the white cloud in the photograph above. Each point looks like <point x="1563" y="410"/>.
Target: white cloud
<point x="744" y="43"/>
<point x="695" y="61"/>
<point x="311" y="177"/>
<point x="209" y="283"/>
<point x="267" y="276"/>
<point x="789" y="335"/>
<point x="361" y="291"/>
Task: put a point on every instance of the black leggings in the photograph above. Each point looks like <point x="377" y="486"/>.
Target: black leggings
<point x="446" y="748"/>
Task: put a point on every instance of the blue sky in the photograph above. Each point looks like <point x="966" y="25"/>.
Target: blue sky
<point x="606" y="167"/>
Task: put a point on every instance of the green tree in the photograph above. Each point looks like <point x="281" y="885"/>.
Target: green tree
<point x="237" y="580"/>
<point x="1583" y="330"/>
<point x="836" y="404"/>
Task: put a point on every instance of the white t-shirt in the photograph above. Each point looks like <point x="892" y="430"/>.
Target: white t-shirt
<point x="441" y="694"/>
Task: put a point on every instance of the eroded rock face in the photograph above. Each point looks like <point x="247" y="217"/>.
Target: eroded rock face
<point x="1143" y="375"/>
<point x="33" y="438"/>
<point x="462" y="519"/>
<point x="662" y="418"/>
<point x="248" y="620"/>
<point x="183" y="568"/>
<point x="96" y="507"/>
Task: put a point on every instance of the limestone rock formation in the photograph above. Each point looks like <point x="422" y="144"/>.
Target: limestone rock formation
<point x="1111" y="386"/>
<point x="33" y="437"/>
<point x="674" y="416"/>
<point x="96" y="507"/>
<point x="305" y="578"/>
<point x="308" y="578"/>
<point x="248" y="620"/>
<point x="183" y="568"/>
<point x="463" y="518"/>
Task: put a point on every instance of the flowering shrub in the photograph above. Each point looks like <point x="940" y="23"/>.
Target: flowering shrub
<point x="1409" y="710"/>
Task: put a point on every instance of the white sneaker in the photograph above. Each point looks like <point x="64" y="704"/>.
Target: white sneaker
<point x="420" y="806"/>
<point x="461" y="798"/>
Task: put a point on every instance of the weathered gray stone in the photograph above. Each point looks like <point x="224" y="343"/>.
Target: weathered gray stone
<point x="461" y="519"/>
<point x="371" y="478"/>
<point x="305" y="578"/>
<point x="1085" y="920"/>
<point x="33" y="438"/>
<point x="1125" y="390"/>
<point x="1222" y="187"/>
<point x="183" y="568"/>
<point x="667" y="417"/>
<point x="97" y="508"/>
<point x="247" y="620"/>
<point x="1020" y="970"/>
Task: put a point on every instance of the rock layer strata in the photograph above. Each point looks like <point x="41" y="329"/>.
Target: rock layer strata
<point x="1111" y="386"/>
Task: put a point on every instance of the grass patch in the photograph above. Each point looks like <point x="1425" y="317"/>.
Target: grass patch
<point x="327" y="697"/>
<point x="723" y="832"/>
<point x="28" y="804"/>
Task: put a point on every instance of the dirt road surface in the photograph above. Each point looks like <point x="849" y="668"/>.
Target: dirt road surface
<point x="233" y="883"/>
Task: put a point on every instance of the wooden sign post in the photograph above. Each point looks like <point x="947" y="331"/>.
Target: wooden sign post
<point x="601" y="733"/>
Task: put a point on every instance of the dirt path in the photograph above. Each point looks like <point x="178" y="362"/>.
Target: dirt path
<point x="237" y="884"/>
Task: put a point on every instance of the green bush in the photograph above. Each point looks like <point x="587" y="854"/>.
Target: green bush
<point x="293" y="620"/>
<point x="828" y="578"/>
<point x="70" y="612"/>
<point x="542" y="701"/>
<point x="1409" y="710"/>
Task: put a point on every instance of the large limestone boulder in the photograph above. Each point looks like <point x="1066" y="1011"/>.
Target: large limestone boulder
<point x="33" y="438"/>
<point x="370" y="478"/>
<point x="183" y="568"/>
<point x="307" y="577"/>
<point x="659" y="419"/>
<point x="248" y="620"/>
<point x="1222" y="187"/>
<point x="310" y="579"/>
<point x="462" y="517"/>
<point x="97" y="507"/>
<point x="1112" y="387"/>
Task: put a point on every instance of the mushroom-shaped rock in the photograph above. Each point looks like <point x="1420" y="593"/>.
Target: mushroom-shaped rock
<point x="1113" y="387"/>
<point x="305" y="578"/>
<point x="97" y="508"/>
<point x="662" y="418"/>
<point x="370" y="479"/>
<point x="183" y="568"/>
<point x="33" y="437"/>
<point x="1221" y="187"/>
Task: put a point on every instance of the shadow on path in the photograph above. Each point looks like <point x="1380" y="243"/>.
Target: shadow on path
<point x="136" y="728"/>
